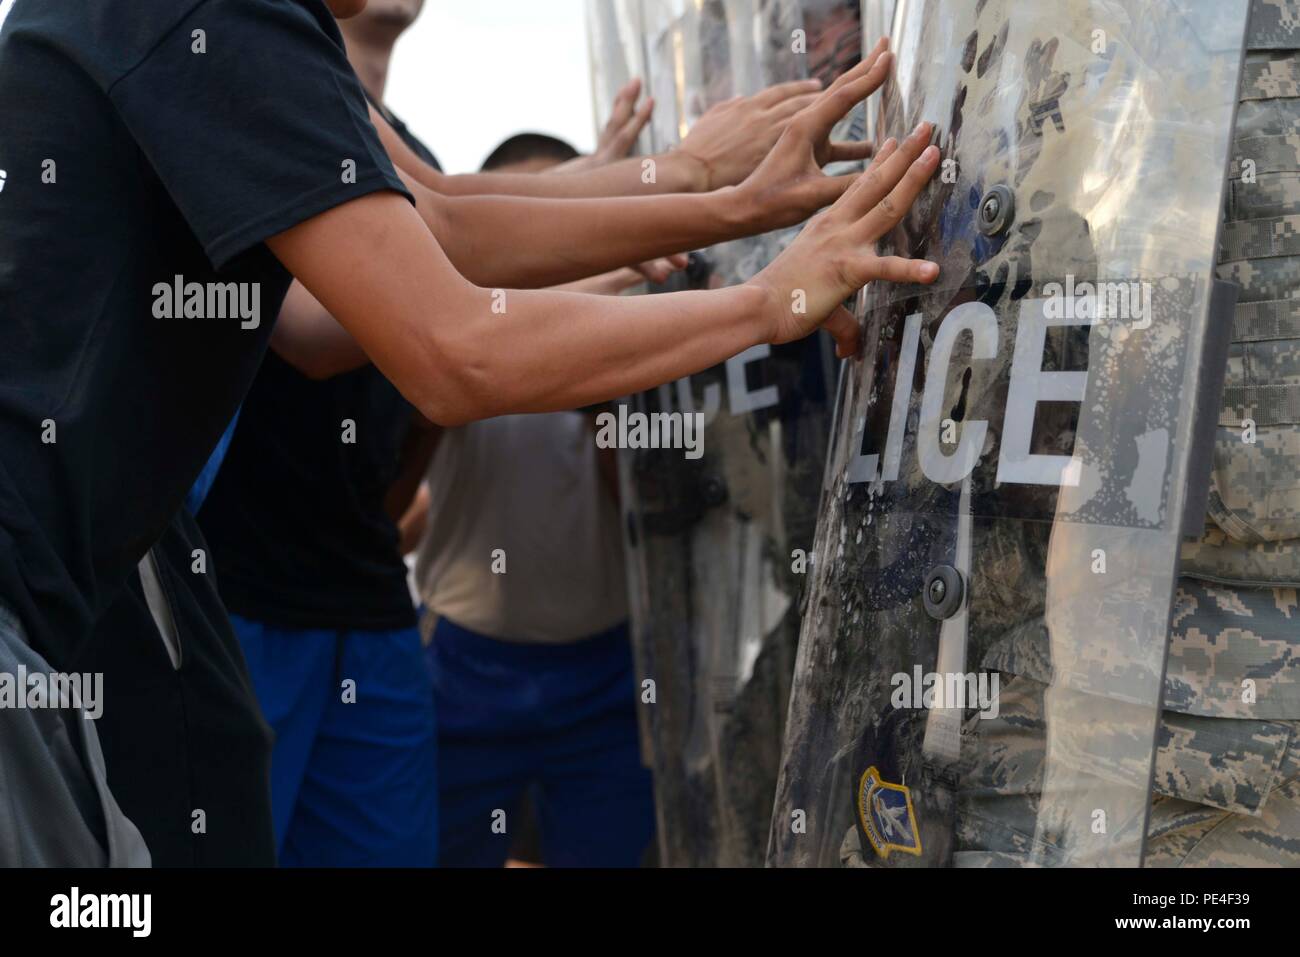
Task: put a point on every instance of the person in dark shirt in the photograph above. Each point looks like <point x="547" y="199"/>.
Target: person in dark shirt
<point x="307" y="557"/>
<point x="170" y="167"/>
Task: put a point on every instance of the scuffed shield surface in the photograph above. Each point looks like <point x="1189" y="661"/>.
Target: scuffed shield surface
<point x="717" y="545"/>
<point x="979" y="672"/>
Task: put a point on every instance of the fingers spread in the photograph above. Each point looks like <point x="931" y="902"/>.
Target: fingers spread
<point x="841" y="97"/>
<point x="892" y="208"/>
<point x="863" y="67"/>
<point x="780" y="92"/>
<point x="792" y="105"/>
<point x="623" y="105"/>
<point x="622" y="142"/>
<point x="883" y="175"/>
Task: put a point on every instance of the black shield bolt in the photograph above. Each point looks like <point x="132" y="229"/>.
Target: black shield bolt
<point x="997" y="210"/>
<point x="944" y="591"/>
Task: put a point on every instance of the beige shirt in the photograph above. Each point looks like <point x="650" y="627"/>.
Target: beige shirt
<point x="523" y="541"/>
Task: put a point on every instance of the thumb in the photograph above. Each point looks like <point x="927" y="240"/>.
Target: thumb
<point x="843" y="327"/>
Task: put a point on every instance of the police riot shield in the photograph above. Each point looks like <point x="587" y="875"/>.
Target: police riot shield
<point x="980" y="669"/>
<point x="717" y="535"/>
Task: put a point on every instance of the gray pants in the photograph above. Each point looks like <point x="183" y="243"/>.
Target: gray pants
<point x="55" y="806"/>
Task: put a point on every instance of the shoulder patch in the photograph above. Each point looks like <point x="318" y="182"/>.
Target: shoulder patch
<point x="886" y="814"/>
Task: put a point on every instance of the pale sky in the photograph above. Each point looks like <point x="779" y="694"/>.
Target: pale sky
<point x="469" y="73"/>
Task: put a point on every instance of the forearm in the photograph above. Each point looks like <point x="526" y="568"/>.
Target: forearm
<point x="675" y="172"/>
<point x="460" y="352"/>
<point x="529" y="243"/>
<point x="635" y="176"/>
<point x="582" y="350"/>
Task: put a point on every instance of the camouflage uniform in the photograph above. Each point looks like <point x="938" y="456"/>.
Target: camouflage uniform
<point x="1228" y="774"/>
<point x="1227" y="767"/>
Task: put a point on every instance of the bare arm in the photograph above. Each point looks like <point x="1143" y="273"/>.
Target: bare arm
<point x="607" y="284"/>
<point x="375" y="267"/>
<point x="528" y="243"/>
<point x="724" y="146"/>
<point x="459" y="352"/>
<point x="512" y="241"/>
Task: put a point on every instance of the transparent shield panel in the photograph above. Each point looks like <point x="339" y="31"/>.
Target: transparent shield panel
<point x="877" y="22"/>
<point x="615" y="44"/>
<point x="980" y="668"/>
<point x="718" y="543"/>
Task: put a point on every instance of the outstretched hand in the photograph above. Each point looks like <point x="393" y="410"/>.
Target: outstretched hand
<point x="835" y="254"/>
<point x="731" y="139"/>
<point x="626" y="121"/>
<point x="789" y="185"/>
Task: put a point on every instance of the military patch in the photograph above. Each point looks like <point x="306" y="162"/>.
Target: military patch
<point x="886" y="815"/>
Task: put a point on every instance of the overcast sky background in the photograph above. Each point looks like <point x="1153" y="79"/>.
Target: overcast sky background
<point x="469" y="73"/>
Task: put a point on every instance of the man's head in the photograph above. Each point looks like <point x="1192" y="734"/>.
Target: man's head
<point x="528" y="153"/>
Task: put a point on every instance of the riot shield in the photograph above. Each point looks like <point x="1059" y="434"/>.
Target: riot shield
<point x="717" y="544"/>
<point x="980" y="669"/>
<point x="616" y="52"/>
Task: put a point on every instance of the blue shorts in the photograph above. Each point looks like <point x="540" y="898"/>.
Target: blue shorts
<point x="558" y="720"/>
<point x="354" y="768"/>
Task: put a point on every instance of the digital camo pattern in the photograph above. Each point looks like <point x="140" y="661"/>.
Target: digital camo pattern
<point x="1216" y="803"/>
<point x="1019" y="434"/>
<point x="714" y="578"/>
<point x="1274" y="25"/>
<point x="1234" y="659"/>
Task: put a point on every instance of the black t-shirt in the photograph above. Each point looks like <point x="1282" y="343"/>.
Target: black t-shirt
<point x="141" y="142"/>
<point x="183" y="733"/>
<point x="296" y="518"/>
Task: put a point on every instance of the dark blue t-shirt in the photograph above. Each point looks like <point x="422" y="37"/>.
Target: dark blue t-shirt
<point x="142" y="142"/>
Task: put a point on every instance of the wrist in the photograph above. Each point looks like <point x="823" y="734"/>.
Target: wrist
<point x="686" y="172"/>
<point x="736" y="211"/>
<point x="765" y="306"/>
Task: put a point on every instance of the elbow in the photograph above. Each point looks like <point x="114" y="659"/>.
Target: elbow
<point x="459" y="387"/>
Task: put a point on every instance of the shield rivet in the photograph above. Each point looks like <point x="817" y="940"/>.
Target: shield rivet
<point x="996" y="211"/>
<point x="943" y="593"/>
<point x="714" y="491"/>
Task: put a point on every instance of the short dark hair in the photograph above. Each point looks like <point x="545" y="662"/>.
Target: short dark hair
<point x="523" y="147"/>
